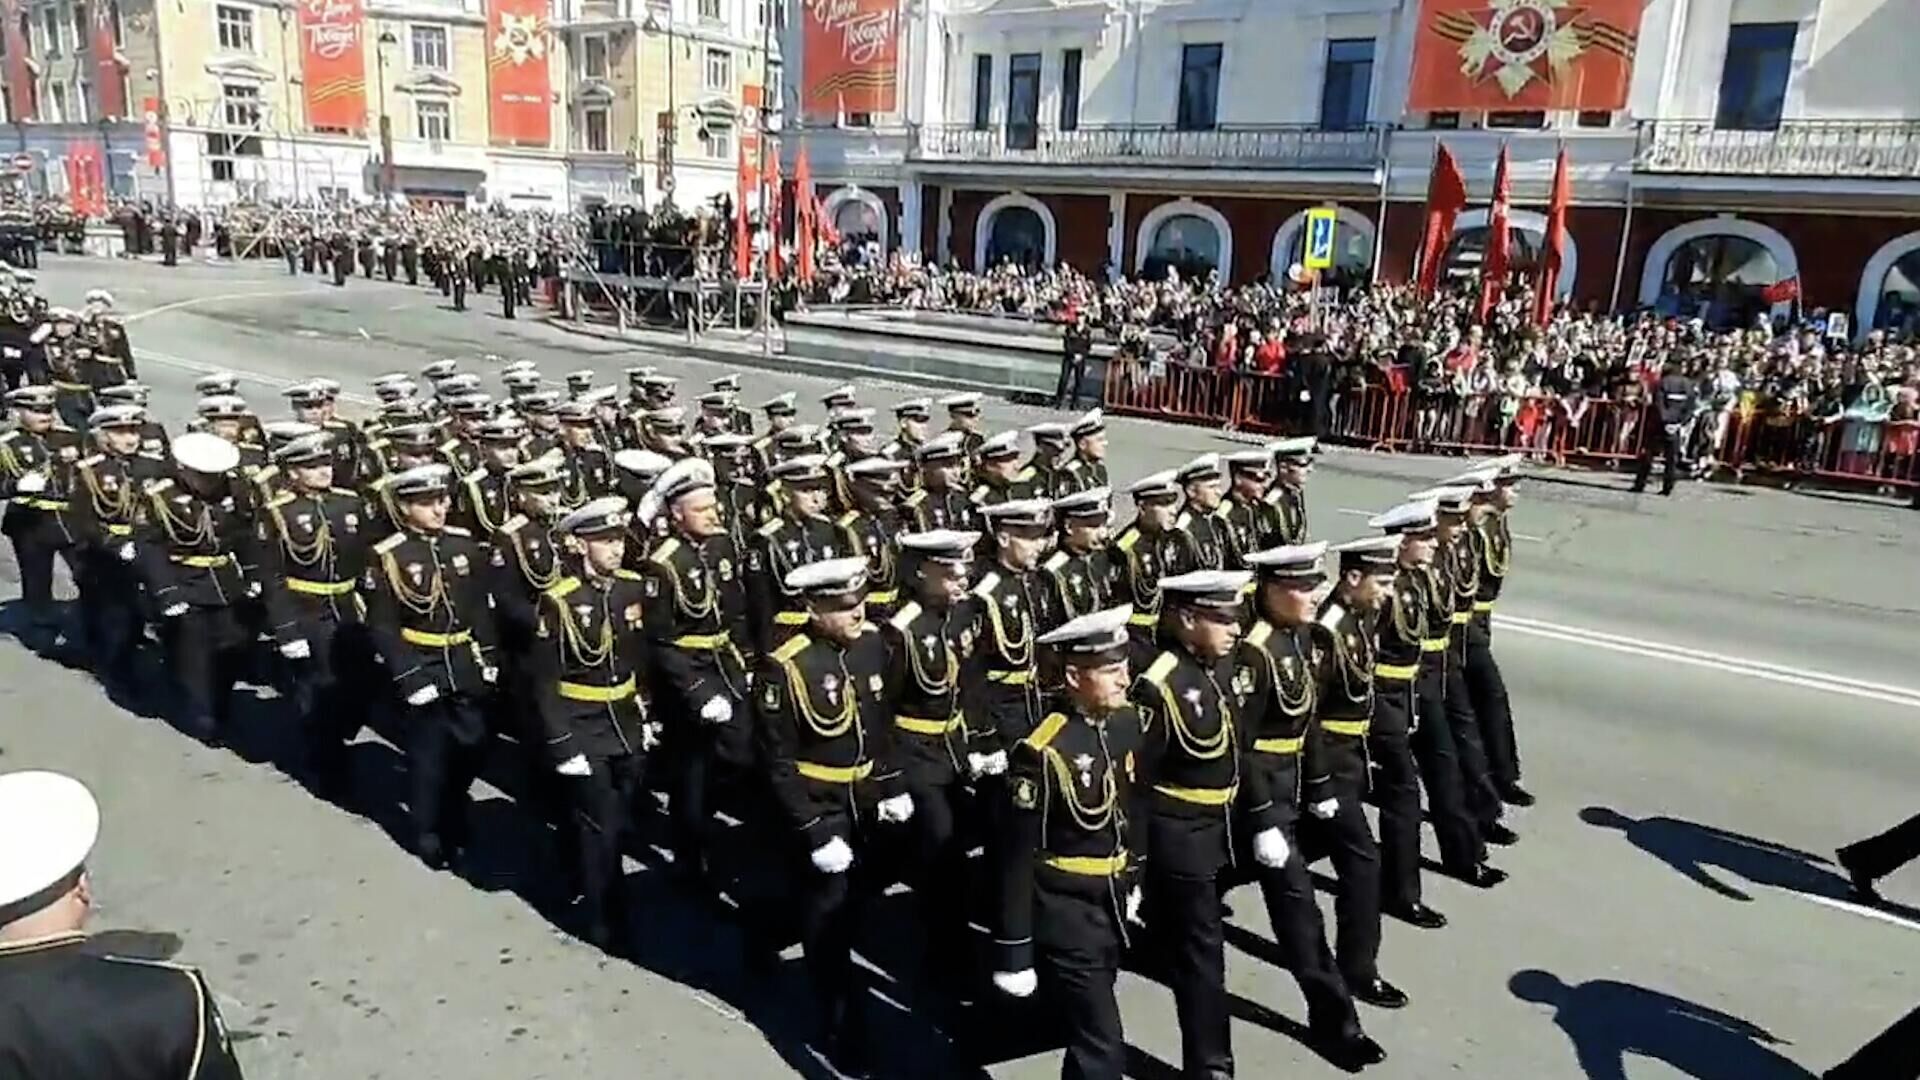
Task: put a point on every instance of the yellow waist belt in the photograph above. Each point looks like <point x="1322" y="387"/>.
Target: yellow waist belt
<point x="1089" y="865"/>
<point x="573" y="691"/>
<point x="1395" y="672"/>
<point x="55" y="506"/>
<point x="72" y="387"/>
<point x="203" y="562"/>
<point x="922" y="726"/>
<point x="119" y="530"/>
<point x="427" y="639"/>
<point x="1279" y="746"/>
<point x="1435" y="644"/>
<point x="1354" y="728"/>
<point x="1198" y="796"/>
<point x="883" y="596"/>
<point x="704" y="642"/>
<point x="1462" y="618"/>
<point x="790" y="618"/>
<point x="1482" y="605"/>
<point x="319" y="588"/>
<point x="1011" y="678"/>
<point x="1144" y="618"/>
<point x="834" y="774"/>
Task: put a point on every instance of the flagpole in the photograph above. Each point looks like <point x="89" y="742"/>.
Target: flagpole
<point x="1620" y="257"/>
<point x="766" y="201"/>
<point x="1420" y="249"/>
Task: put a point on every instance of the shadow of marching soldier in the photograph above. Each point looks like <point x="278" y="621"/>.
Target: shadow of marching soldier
<point x="1894" y="1054"/>
<point x="1690" y="848"/>
<point x="1607" y="1020"/>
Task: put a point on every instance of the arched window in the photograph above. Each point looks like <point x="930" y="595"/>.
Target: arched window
<point x="1899" y="310"/>
<point x="1019" y="236"/>
<point x="1468" y="250"/>
<point x="1187" y="243"/>
<point x="1718" y="277"/>
<point x="1352" y="256"/>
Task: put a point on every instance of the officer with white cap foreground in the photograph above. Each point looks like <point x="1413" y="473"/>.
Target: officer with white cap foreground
<point x="69" y="1012"/>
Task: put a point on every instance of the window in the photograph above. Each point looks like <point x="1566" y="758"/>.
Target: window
<point x="719" y="69"/>
<point x="1534" y="118"/>
<point x="1448" y="120"/>
<point x="982" y="91"/>
<point x="716" y="140"/>
<point x="223" y="171"/>
<point x="113" y="20"/>
<point x="1595" y="118"/>
<point x="81" y="38"/>
<point x="710" y="9"/>
<point x="1199" y="88"/>
<point x="1023" y="101"/>
<point x="759" y="14"/>
<point x="1347" y="84"/>
<point x="56" y="105"/>
<point x="1070" y="90"/>
<point x="82" y="98"/>
<point x="593" y="56"/>
<point x="26" y="32"/>
<point x="236" y="27"/>
<point x="773" y="100"/>
<point x="596" y="128"/>
<point x="50" y="24"/>
<point x="240" y="105"/>
<point x="429" y="47"/>
<point x="1753" y="84"/>
<point x="6" y="101"/>
<point x="432" y="120"/>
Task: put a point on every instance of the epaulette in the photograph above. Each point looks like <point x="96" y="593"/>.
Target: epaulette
<point x="625" y="574"/>
<point x="987" y="584"/>
<point x="280" y="500"/>
<point x="847" y="519"/>
<point x="345" y="493"/>
<point x="919" y="496"/>
<point x="450" y="446"/>
<point x="514" y="524"/>
<point x="1331" y="616"/>
<point x="156" y="487"/>
<point x="1128" y="539"/>
<point x="665" y="550"/>
<point x="1024" y="475"/>
<point x="385" y="547"/>
<point x="90" y="462"/>
<point x="1261" y="631"/>
<point x="772" y="527"/>
<point x="1046" y="730"/>
<point x="559" y="590"/>
<point x="9" y="436"/>
<point x="1185" y="519"/>
<point x="903" y="618"/>
<point x="792" y="647"/>
<point x="1161" y="667"/>
<point x="457" y="530"/>
<point x="1055" y="561"/>
<point x="475" y="476"/>
<point x="979" y="493"/>
<point x="1225" y="510"/>
<point x="150" y="455"/>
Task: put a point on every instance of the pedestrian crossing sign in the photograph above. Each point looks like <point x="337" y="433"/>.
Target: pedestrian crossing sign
<point x="1319" y="254"/>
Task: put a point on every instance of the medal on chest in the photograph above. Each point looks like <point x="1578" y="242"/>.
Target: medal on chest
<point x="1084" y="766"/>
<point x="831" y="686"/>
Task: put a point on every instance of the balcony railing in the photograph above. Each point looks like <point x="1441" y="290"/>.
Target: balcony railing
<point x="1228" y="146"/>
<point x="1844" y="149"/>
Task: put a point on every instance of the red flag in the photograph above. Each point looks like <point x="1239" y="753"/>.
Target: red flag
<point x="773" y="212"/>
<point x="1446" y="197"/>
<point x="1493" y="267"/>
<point x="1553" y="248"/>
<point x="742" y="236"/>
<point x="803" y="225"/>
<point x="1782" y="291"/>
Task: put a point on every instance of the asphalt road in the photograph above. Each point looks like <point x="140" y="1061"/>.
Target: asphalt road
<point x="1713" y="691"/>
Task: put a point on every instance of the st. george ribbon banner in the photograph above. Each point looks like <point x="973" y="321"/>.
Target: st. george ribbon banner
<point x="519" y="87"/>
<point x="1523" y="55"/>
<point x="852" y="56"/>
<point x="334" y="56"/>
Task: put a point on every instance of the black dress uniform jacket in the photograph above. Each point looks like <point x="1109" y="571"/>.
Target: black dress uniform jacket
<point x="1346" y="651"/>
<point x="946" y="509"/>
<point x="313" y="555"/>
<point x="691" y="635"/>
<point x="1275" y="679"/>
<point x="1189" y="760"/>
<point x="194" y="550"/>
<point x="929" y="649"/>
<point x="783" y="543"/>
<point x="427" y="602"/>
<point x="589" y="660"/>
<point x="826" y="736"/>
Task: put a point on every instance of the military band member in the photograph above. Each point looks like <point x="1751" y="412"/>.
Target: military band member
<point x="1141" y="555"/>
<point x="1056" y="469"/>
<point x="314" y="538"/>
<point x="588" y="664"/>
<point x="1189" y="765"/>
<point x="941" y="500"/>
<point x="1275" y="681"/>
<point x="1090" y="446"/>
<point x="1292" y="463"/>
<point x="427" y="606"/>
<point x="1008" y="596"/>
<point x="1495" y="486"/>
<point x="104" y="507"/>
<point x="999" y="474"/>
<point x="1199" y="533"/>
<point x="799" y="534"/>
<point x="68" y="1008"/>
<point x="963" y="416"/>
<point x="1068" y="883"/>
<point x="189" y="552"/>
<point x="36" y="460"/>
<point x="828" y="741"/>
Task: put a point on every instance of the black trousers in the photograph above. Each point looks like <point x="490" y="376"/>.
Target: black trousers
<point x="604" y="806"/>
<point x="110" y="612"/>
<point x="1073" y="372"/>
<point x="1301" y="934"/>
<point x="1396" y="791"/>
<point x="1461" y="847"/>
<point x="207" y="647"/>
<point x="1481" y="794"/>
<point x="1077" y="952"/>
<point x="938" y="872"/>
<point x="833" y="908"/>
<point x="1347" y="842"/>
<point x="507" y="299"/>
<point x="1878" y="856"/>
<point x="1665" y="443"/>
<point x="459" y="294"/>
<point x="339" y="270"/>
<point x="1183" y="914"/>
<point x="1894" y="1054"/>
<point x="331" y="690"/>
<point x="446" y="741"/>
<point x="1488" y="690"/>
<point x="34" y="547"/>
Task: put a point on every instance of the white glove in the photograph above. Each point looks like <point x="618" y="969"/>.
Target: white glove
<point x="976" y="765"/>
<point x="1325" y="809"/>
<point x="1133" y="907"/>
<point x="489" y="675"/>
<point x="426" y="695"/>
<point x="833" y="857"/>
<point x="31" y="483"/>
<point x="253" y="589"/>
<point x="126" y="552"/>
<point x="1016" y="983"/>
<point x="574" y="766"/>
<point x="174" y="611"/>
<point x="718" y="710"/>
<point x="297" y="649"/>
<point x="898" y="808"/>
<point x="1270" y="848"/>
<point x="649" y="736"/>
<point x="993" y="764"/>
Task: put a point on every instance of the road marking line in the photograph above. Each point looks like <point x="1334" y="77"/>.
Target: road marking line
<point x="203" y="368"/>
<point x="1859" y="909"/>
<point x="197" y="300"/>
<point x="1757" y="669"/>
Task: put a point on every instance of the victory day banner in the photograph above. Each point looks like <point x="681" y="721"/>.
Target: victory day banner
<point x="1524" y="54"/>
<point x="852" y="51"/>
<point x="334" y="61"/>
<point x="111" y="88"/>
<point x="518" y="86"/>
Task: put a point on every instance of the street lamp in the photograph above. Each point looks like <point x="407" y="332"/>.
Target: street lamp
<point x="385" y="42"/>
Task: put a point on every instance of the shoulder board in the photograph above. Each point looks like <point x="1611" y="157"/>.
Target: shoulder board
<point x="1045" y="732"/>
<point x="905" y="616"/>
<point x="9" y="436"/>
<point x="793" y="647"/>
<point x="456" y="530"/>
<point x="918" y="497"/>
<point x="625" y="574"/>
<point x="90" y="462"/>
<point x="665" y="550"/>
<point x="265" y="473"/>
<point x="987" y="584"/>
<point x="344" y="493"/>
<point x="1185" y="519"/>
<point x="1331" y="617"/>
<point x="450" y="446"/>
<point x="867" y="628"/>
<point x="560" y="589"/>
<point x="1024" y="475"/>
<point x="378" y="444"/>
<point x="847" y="519"/>
<point x="1225" y="510"/>
<point x="381" y="483"/>
<point x="1161" y="667"/>
<point x="385" y="547"/>
<point x="1261" y="631"/>
<point x="514" y="524"/>
<point x="772" y="527"/>
<point x="475" y="476"/>
<point x="1055" y="561"/>
<point x="150" y="456"/>
<point x="979" y="493"/>
<point x="281" y="499"/>
<point x="1128" y="539"/>
<point x="155" y="487"/>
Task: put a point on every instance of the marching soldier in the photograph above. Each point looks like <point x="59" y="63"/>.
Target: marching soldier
<point x="36" y="458"/>
<point x="1199" y="533"/>
<point x="941" y="500"/>
<point x="400" y="449"/>
<point x="1056" y="470"/>
<point x="1252" y="523"/>
<point x="828" y="742"/>
<point x="740" y="506"/>
<point x="1275" y="682"/>
<point x="911" y="419"/>
<point x="588" y="663"/>
<point x="739" y="420"/>
<point x="103" y="510"/>
<point x="1142" y="554"/>
<point x="963" y="416"/>
<point x="1189" y="764"/>
<point x="1090" y="446"/>
<point x="1069" y="893"/>
<point x="316" y="402"/>
<point x="484" y="504"/>
<point x="781" y="414"/>
<point x="1080" y="576"/>
<point x="872" y="525"/>
<point x="589" y="472"/>
<point x="998" y="470"/>
<point x="799" y="534"/>
<point x="314" y="539"/>
<point x="189" y="554"/>
<point x="427" y="605"/>
<point x="1008" y="596"/>
<point x="1495" y="485"/>
<point x="1293" y="462"/>
<point x="153" y="434"/>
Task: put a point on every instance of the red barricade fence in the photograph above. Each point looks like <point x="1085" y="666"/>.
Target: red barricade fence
<point x="1878" y="455"/>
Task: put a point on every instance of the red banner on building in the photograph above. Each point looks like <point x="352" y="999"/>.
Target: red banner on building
<point x="519" y="89"/>
<point x="852" y="54"/>
<point x="156" y="146"/>
<point x="106" y="63"/>
<point x="19" y="76"/>
<point x="1524" y="54"/>
<point x="333" y="52"/>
